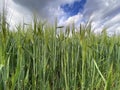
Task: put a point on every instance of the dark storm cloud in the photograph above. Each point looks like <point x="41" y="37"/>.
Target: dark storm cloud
<point x="39" y="6"/>
<point x="33" y="4"/>
<point x="45" y="8"/>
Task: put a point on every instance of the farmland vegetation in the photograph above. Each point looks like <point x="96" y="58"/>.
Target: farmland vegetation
<point x="36" y="57"/>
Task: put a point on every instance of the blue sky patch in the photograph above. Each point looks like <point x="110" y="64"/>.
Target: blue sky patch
<point x="74" y="8"/>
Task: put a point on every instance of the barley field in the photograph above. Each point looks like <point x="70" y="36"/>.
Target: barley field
<point x="36" y="57"/>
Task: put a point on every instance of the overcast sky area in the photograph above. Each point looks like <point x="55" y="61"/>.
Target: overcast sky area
<point x="103" y="13"/>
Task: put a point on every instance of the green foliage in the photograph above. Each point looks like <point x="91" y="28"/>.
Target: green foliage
<point x="38" y="58"/>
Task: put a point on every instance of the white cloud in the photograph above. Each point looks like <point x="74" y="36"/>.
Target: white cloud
<point x="15" y="13"/>
<point x="73" y="19"/>
<point x="104" y="13"/>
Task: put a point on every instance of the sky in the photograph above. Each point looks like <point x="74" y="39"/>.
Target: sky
<point x="102" y="13"/>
